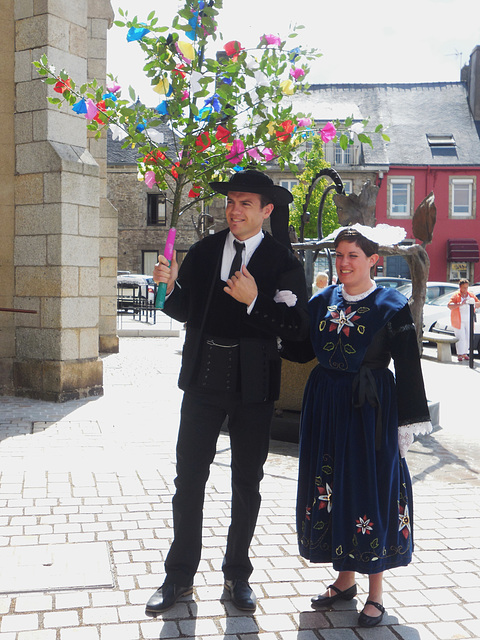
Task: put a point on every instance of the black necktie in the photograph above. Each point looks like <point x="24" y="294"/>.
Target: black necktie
<point x="237" y="260"/>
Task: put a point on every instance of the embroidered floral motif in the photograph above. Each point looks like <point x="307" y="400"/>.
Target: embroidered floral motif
<point x="325" y="498"/>
<point x="364" y="525"/>
<point x="404" y="523"/>
<point x="343" y="320"/>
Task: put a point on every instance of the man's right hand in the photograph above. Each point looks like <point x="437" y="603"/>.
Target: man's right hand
<point x="163" y="272"/>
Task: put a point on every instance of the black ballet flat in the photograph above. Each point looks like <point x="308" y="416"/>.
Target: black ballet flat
<point x="371" y="621"/>
<point x="323" y="601"/>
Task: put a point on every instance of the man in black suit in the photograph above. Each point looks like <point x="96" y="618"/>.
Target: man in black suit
<point x="238" y="291"/>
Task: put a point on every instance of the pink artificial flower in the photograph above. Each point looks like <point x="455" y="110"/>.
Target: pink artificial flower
<point x="236" y="152"/>
<point x="254" y="153"/>
<point x="328" y="132"/>
<point x="92" y="109"/>
<point x="268" y="154"/>
<point x="304" y="122"/>
<point x="271" y="39"/>
<point x="150" y="179"/>
<point x="114" y="87"/>
<point x="185" y="94"/>
<point x="297" y="73"/>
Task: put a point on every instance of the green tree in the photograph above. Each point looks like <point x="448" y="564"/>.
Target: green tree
<point x="314" y="162"/>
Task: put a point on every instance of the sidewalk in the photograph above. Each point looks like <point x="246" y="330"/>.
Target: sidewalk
<point x="85" y="520"/>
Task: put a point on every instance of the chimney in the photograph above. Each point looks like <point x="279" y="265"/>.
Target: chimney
<point x="471" y="75"/>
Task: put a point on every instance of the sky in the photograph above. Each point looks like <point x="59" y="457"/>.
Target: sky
<point x="362" y="41"/>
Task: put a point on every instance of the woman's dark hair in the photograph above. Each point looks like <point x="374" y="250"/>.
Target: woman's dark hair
<point x="351" y="235"/>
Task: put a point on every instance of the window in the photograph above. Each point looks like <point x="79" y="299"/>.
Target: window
<point x="288" y="184"/>
<point x="343" y="156"/>
<point x="462" y="197"/>
<point x="441" y="141"/>
<point x="347" y="185"/>
<point x="400" y="197"/>
<point x="149" y="260"/>
<point x="156" y="209"/>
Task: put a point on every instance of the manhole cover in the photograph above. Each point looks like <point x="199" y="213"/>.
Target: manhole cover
<point x="54" y="567"/>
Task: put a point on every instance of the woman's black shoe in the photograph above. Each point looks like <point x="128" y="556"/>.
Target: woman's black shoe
<point x="322" y="601"/>
<point x="371" y="621"/>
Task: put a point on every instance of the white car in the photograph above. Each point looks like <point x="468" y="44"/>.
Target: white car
<point x="436" y="317"/>
<point x="434" y="290"/>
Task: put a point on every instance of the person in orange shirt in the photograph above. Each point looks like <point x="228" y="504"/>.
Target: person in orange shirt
<point x="460" y="317"/>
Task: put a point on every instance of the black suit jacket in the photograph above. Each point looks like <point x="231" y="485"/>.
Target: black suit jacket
<point x="199" y="300"/>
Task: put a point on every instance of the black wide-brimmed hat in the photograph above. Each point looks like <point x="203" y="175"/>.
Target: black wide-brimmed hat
<point x="252" y="181"/>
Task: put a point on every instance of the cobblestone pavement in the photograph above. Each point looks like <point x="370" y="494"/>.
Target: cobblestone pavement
<point x="97" y="475"/>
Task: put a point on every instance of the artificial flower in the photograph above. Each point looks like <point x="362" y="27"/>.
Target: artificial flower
<point x="156" y="136"/>
<point x="136" y="33"/>
<point x="222" y="134"/>
<point x="173" y="171"/>
<point x="254" y="153"/>
<point x="62" y="85"/>
<point x="294" y="53"/>
<point x="186" y="50"/>
<point x="150" y="179"/>
<point x="214" y="102"/>
<point x="184" y="95"/>
<point x="287" y="87"/>
<point x="117" y="132"/>
<point x="80" y="106"/>
<point x="271" y="39"/>
<point x="113" y="88"/>
<point x="194" y="191"/>
<point x="287" y="128"/>
<point x="178" y="70"/>
<point x="261" y="79"/>
<point x="101" y="107"/>
<point x="153" y="157"/>
<point x="236" y="152"/>
<point x="233" y="49"/>
<point x="304" y="122"/>
<point x="328" y="132"/>
<point x="297" y="73"/>
<point x="92" y="109"/>
<point x="109" y="96"/>
<point x="163" y="87"/>
<point x="204" y="114"/>
<point x="162" y="108"/>
<point x="268" y="154"/>
<point x="357" y="128"/>
<point x="203" y="141"/>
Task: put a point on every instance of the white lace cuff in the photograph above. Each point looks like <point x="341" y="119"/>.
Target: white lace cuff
<point x="407" y="432"/>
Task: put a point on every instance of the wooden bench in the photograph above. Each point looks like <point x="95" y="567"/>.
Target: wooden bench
<point x="444" y="344"/>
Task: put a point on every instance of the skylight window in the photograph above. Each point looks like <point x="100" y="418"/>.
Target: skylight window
<point x="441" y="141"/>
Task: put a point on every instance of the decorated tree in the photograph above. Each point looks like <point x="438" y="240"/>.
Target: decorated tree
<point x="231" y="110"/>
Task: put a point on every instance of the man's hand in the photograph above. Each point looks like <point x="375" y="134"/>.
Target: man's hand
<point x="163" y="272"/>
<point x="242" y="286"/>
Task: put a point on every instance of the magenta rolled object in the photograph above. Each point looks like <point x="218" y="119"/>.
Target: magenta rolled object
<point x="168" y="253"/>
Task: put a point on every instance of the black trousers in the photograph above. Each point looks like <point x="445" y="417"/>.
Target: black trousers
<point x="202" y="416"/>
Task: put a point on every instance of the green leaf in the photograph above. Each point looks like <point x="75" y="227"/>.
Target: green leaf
<point x="150" y="15"/>
<point x="385" y="137"/>
<point x="365" y="139"/>
<point x="118" y="23"/>
<point x="343" y="142"/>
<point x="378" y="128"/>
<point x="132" y="94"/>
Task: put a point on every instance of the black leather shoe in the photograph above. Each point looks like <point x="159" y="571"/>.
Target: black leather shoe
<point x="165" y="597"/>
<point x="323" y="601"/>
<point x="371" y="621"/>
<point x="242" y="594"/>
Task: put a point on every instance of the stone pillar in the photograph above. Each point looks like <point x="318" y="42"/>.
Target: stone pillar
<point x="100" y="19"/>
<point x="7" y="199"/>
<point x="57" y="212"/>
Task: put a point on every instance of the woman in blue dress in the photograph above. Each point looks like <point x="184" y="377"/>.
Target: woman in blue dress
<point x="354" y="503"/>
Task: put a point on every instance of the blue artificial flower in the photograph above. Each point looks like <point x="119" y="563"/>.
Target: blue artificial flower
<point x="294" y="53"/>
<point x="80" y="106"/>
<point x="136" y="33"/>
<point x="214" y="102"/>
<point x="204" y="114"/>
<point x="110" y="96"/>
<point x="162" y="108"/>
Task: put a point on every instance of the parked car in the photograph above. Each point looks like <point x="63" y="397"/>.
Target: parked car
<point x="393" y="283"/>
<point x="434" y="290"/>
<point x="134" y="290"/>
